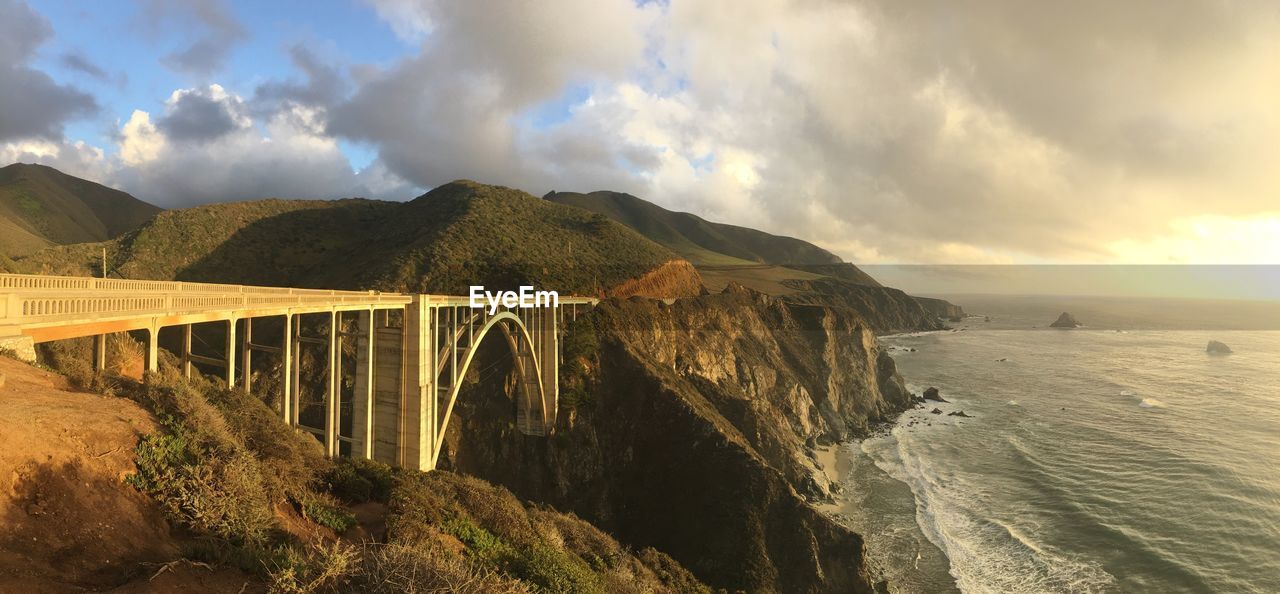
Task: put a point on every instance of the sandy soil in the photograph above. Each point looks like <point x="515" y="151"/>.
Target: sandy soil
<point x="67" y="520"/>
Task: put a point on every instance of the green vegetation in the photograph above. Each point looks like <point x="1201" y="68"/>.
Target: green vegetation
<point x="360" y="481"/>
<point x="252" y="493"/>
<point x="41" y="206"/>
<point x="543" y="550"/>
<point x="696" y="239"/>
<point x="224" y="462"/>
<point x="457" y="235"/>
<point x="581" y="346"/>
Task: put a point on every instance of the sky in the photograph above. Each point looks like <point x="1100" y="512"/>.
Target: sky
<point x="887" y="131"/>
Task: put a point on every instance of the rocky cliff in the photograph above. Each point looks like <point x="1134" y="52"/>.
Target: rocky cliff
<point x="689" y="428"/>
<point x="941" y="308"/>
<point x="886" y="310"/>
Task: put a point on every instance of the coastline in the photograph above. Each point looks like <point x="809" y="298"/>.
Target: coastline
<point x="900" y="557"/>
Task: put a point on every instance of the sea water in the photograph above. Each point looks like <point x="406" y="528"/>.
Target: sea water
<point x="1100" y="459"/>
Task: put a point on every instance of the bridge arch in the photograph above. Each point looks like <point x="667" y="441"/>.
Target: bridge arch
<point x="532" y="396"/>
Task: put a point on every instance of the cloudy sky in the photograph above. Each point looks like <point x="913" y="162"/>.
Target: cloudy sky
<point x="889" y="131"/>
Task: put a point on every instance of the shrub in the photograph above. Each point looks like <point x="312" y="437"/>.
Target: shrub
<point x="325" y="511"/>
<point x="399" y="569"/>
<point x="324" y="567"/>
<point x="359" y="481"/>
<point x="221" y="465"/>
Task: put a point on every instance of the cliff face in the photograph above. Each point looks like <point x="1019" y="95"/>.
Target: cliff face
<point x="886" y="310"/>
<point x="684" y="427"/>
<point x="940" y="307"/>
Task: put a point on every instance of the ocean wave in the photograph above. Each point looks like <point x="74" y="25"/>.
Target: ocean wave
<point x="1127" y="393"/>
<point x="1151" y="403"/>
<point x="987" y="554"/>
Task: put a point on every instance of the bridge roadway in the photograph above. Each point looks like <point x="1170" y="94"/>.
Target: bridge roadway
<point x="412" y="351"/>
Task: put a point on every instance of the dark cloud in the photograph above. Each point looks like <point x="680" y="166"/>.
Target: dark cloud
<point x="78" y="62"/>
<point x="198" y="115"/>
<point x="32" y="105"/>
<point x="324" y="83"/>
<point x="217" y="31"/>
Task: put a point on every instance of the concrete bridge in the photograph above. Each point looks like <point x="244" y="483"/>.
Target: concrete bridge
<point x="412" y="351"/>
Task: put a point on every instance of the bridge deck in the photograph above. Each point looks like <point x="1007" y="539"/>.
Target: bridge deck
<point x="49" y="308"/>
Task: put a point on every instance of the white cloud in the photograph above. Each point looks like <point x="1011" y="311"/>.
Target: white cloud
<point x="140" y="141"/>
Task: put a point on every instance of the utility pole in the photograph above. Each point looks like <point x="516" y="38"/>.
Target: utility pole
<point x="104" y="262"/>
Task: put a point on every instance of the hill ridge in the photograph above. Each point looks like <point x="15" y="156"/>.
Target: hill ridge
<point x="42" y="206"/>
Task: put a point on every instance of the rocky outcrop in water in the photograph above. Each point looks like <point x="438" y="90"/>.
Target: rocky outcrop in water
<point x="931" y="393"/>
<point x="688" y="432"/>
<point x="1217" y="348"/>
<point x="1066" y="320"/>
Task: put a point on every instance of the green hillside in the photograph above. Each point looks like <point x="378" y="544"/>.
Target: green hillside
<point x="41" y="206"/>
<point x="717" y="249"/>
<point x="459" y="234"/>
<point x="698" y="240"/>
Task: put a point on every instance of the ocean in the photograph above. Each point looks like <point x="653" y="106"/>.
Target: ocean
<point x="1118" y="457"/>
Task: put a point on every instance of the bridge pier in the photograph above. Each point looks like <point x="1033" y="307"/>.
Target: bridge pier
<point x="333" y="378"/>
<point x="229" y="355"/>
<point x="153" y="349"/>
<point x="286" y="370"/>
<point x="186" y="351"/>
<point x="246" y="356"/>
<point x="363" y="403"/>
<point x="100" y="353"/>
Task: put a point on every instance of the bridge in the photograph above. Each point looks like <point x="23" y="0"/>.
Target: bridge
<point x="412" y="351"/>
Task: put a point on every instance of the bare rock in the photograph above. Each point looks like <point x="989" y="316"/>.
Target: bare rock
<point x="1066" y="320"/>
<point x="1217" y="348"/>
<point x="931" y="393"/>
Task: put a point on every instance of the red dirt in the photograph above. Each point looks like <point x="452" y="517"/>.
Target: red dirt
<point x="67" y="519"/>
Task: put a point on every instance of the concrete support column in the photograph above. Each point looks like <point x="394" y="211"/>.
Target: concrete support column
<point x="100" y="353"/>
<point x="297" y="370"/>
<point x="246" y="356"/>
<point x="332" y="393"/>
<point x="186" y="351"/>
<point x="230" y="353"/>
<point x="417" y="449"/>
<point x="549" y="363"/>
<point x="153" y="349"/>
<point x="286" y="371"/>
<point x="363" y="404"/>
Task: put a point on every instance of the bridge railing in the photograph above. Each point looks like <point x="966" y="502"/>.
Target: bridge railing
<point x="23" y="297"/>
<point x="27" y="296"/>
<point x="30" y="282"/>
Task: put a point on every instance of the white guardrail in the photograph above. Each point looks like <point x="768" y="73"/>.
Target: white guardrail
<point x="29" y="296"/>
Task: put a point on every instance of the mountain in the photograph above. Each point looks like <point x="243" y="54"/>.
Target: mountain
<point x="457" y="235"/>
<point x="698" y="240"/>
<point x="790" y="268"/>
<point x="41" y="206"/>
